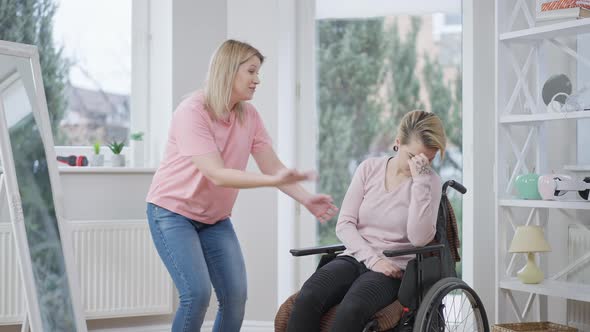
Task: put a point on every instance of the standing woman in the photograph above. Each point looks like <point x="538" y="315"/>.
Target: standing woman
<point x="212" y="134"/>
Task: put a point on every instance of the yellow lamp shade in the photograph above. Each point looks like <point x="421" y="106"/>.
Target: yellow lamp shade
<point x="529" y="239"/>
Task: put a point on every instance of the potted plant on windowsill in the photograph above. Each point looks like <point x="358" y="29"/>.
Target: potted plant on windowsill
<point x="117" y="160"/>
<point x="137" y="149"/>
<point x="97" y="159"/>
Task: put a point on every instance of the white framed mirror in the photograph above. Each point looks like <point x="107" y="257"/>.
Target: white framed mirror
<point x="31" y="184"/>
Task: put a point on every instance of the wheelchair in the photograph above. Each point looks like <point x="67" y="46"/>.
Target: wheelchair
<point x="431" y="297"/>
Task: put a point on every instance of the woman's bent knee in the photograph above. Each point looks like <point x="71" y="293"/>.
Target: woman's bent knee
<point x="196" y="297"/>
<point x="307" y="299"/>
<point x="352" y="309"/>
<point x="235" y="302"/>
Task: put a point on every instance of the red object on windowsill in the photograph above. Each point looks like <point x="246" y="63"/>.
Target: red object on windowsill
<point x="73" y="160"/>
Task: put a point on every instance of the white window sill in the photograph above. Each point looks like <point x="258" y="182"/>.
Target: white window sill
<point x="107" y="169"/>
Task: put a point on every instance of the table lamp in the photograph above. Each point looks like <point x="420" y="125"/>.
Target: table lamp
<point x="529" y="239"/>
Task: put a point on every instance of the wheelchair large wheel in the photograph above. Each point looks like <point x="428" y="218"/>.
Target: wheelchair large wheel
<point x="451" y="305"/>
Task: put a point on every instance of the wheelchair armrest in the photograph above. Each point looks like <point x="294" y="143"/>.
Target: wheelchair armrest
<point x="409" y="251"/>
<point x="317" y="250"/>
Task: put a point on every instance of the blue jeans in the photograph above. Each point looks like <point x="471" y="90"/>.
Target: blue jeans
<point x="196" y="256"/>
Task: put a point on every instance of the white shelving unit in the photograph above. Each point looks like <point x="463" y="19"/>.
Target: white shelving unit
<point x="526" y="119"/>
<point x="577" y="168"/>
<point x="570" y="205"/>
<point x="549" y="31"/>
<point x="525" y="143"/>
<point x="568" y="290"/>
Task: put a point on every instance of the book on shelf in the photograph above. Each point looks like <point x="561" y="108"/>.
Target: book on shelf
<point x="561" y="14"/>
<point x="549" y="5"/>
<point x="563" y="10"/>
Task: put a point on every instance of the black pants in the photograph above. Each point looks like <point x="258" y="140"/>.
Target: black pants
<point x="360" y="292"/>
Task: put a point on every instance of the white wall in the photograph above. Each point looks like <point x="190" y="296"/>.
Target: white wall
<point x="198" y="27"/>
<point x="183" y="35"/>
<point x="267" y="25"/>
<point x="160" y="99"/>
<point x="478" y="148"/>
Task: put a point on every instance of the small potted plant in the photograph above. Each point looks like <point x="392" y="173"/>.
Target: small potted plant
<point x="97" y="159"/>
<point x="117" y="160"/>
<point x="137" y="149"/>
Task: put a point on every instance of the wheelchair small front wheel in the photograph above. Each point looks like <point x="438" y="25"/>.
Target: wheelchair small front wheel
<point x="451" y="305"/>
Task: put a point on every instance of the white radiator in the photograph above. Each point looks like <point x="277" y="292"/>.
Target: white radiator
<point x="578" y="313"/>
<point x="12" y="302"/>
<point x="119" y="270"/>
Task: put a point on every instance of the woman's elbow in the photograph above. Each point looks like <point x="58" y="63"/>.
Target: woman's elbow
<point x="420" y="240"/>
<point x="215" y="178"/>
<point x="340" y="228"/>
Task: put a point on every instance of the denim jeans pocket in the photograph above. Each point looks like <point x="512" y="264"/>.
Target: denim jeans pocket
<point x="166" y="219"/>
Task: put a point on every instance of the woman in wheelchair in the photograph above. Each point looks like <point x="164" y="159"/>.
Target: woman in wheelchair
<point x="391" y="203"/>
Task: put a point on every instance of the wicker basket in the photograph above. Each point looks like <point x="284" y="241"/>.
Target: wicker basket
<point x="533" y="327"/>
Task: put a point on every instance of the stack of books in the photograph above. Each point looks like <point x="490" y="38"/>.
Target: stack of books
<point x="563" y="9"/>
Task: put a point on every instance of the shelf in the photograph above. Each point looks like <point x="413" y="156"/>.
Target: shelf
<point x="561" y="289"/>
<point x="527" y="118"/>
<point x="574" y="205"/>
<point x="577" y="168"/>
<point x="563" y="29"/>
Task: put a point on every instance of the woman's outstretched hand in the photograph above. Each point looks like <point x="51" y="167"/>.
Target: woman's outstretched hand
<point x="321" y="206"/>
<point x="290" y="176"/>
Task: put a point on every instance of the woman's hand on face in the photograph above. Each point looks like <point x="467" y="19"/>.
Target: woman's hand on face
<point x="388" y="268"/>
<point x="321" y="206"/>
<point x="419" y="165"/>
<point x="290" y="176"/>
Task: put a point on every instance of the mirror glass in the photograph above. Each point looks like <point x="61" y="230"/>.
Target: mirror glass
<point x="18" y="98"/>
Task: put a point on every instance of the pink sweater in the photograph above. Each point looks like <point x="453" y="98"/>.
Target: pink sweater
<point x="372" y="219"/>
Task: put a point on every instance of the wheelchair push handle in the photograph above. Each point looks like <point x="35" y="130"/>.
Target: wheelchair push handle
<point x="455" y="185"/>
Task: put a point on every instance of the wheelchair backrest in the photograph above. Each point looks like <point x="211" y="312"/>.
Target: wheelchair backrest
<point x="447" y="234"/>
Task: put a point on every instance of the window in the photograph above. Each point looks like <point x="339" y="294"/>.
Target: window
<point x="96" y="41"/>
<point x="374" y="67"/>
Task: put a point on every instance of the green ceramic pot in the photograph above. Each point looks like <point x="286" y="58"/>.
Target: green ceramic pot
<point x="526" y="186"/>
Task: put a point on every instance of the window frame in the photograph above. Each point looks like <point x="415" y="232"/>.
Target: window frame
<point x="139" y="96"/>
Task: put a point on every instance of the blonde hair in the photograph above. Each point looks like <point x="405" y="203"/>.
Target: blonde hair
<point x="425" y="126"/>
<point x="222" y="72"/>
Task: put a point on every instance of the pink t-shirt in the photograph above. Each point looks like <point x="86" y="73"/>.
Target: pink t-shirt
<point x="373" y="219"/>
<point x="178" y="185"/>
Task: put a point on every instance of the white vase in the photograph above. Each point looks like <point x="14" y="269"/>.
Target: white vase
<point x="137" y="153"/>
<point x="118" y="160"/>
<point x="97" y="160"/>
